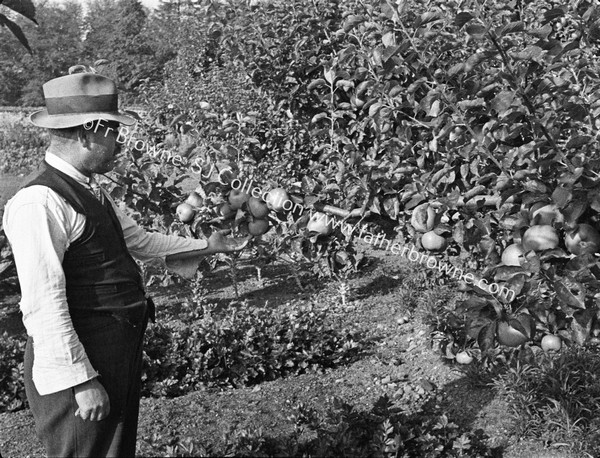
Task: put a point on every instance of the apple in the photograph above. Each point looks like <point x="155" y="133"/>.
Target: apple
<point x="195" y="200"/>
<point x="510" y="335"/>
<point x="225" y="210"/>
<point x="258" y="208"/>
<point x="423" y="218"/>
<point x="276" y="198"/>
<point x="258" y="226"/>
<point x="433" y="242"/>
<point x="539" y="238"/>
<point x="512" y="255"/>
<point x="463" y="357"/>
<point x="341" y="257"/>
<point x="551" y="343"/>
<point x="583" y="240"/>
<point x="185" y="212"/>
<point x="237" y="198"/>
<point x="319" y="222"/>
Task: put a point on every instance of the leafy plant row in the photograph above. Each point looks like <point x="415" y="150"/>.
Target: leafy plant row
<point x="242" y="346"/>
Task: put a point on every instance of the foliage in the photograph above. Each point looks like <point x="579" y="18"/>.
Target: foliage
<point x="554" y="398"/>
<point x="8" y="270"/>
<point x="12" y="388"/>
<point x="339" y="429"/>
<point x="22" y="146"/>
<point x="56" y="45"/>
<point x="64" y="36"/>
<point x="117" y="31"/>
<point x="488" y="106"/>
<point x="241" y="346"/>
<point x="376" y="107"/>
<point x="25" y="8"/>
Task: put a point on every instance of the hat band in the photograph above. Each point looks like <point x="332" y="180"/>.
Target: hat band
<point x="82" y="104"/>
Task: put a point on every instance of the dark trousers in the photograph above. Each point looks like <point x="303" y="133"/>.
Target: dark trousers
<point x="114" y="347"/>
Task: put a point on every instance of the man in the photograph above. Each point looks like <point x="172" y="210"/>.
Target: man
<point x="83" y="299"/>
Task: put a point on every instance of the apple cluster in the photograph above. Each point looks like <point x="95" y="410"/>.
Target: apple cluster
<point x="248" y="214"/>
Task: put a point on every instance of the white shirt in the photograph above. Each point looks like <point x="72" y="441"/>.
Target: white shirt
<point x="40" y="226"/>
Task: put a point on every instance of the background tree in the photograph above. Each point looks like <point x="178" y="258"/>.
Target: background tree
<point x="23" y="7"/>
<point x="56" y="45"/>
<point x="117" y="31"/>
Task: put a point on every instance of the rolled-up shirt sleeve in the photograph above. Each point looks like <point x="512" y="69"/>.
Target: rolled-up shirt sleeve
<point x="39" y="242"/>
<point x="153" y="246"/>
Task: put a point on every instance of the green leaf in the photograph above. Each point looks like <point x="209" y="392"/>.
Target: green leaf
<point x="515" y="284"/>
<point x="329" y="74"/>
<point x="528" y="323"/>
<point x="529" y="53"/>
<point x="426" y="18"/>
<point x="25" y="8"/>
<point x="391" y="205"/>
<point x="576" y="111"/>
<point x="389" y="39"/>
<point x="118" y="192"/>
<point x="562" y="196"/>
<point x="594" y="31"/>
<point x="373" y="109"/>
<point x="317" y="83"/>
<point x="503" y="102"/>
<point x="554" y="13"/>
<point x="581" y="325"/>
<point x="575" y="209"/>
<point x="570" y="293"/>
<point x="513" y="27"/>
<point x="476" y="30"/>
<point x="485" y="339"/>
<point x="389" y="52"/>
<point x="462" y="18"/>
<point x="469" y="104"/>
<point x="505" y="273"/>
<point x="578" y="141"/>
<point x="16" y="30"/>
<point x="542" y="32"/>
<point x="456" y="69"/>
<point x="318" y="117"/>
<point x="345" y="84"/>
<point x="435" y="109"/>
<point x="594" y="198"/>
<point x="352" y="21"/>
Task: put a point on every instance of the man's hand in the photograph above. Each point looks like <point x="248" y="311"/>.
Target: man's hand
<point x="92" y="401"/>
<point x="186" y="263"/>
<point x="218" y="243"/>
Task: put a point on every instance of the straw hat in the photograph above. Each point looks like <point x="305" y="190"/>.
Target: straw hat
<point x="73" y="100"/>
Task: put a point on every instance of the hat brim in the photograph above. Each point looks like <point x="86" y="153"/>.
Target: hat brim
<point x="43" y="119"/>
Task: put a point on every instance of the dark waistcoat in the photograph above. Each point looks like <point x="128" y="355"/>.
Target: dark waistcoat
<point x="101" y="276"/>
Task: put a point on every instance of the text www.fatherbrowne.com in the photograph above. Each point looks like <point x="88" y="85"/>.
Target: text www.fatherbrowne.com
<point x="408" y="251"/>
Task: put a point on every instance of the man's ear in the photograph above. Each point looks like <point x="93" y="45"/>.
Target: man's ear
<point x="83" y="136"/>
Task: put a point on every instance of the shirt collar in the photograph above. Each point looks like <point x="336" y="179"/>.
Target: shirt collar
<point x="66" y="168"/>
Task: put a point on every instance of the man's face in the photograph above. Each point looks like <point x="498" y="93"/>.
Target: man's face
<point x="102" y="147"/>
